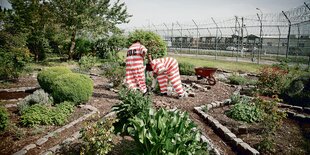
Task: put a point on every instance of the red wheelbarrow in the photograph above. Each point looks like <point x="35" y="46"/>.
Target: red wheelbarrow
<point x="206" y="72"/>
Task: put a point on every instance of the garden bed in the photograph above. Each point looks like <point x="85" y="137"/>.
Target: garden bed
<point x="292" y="135"/>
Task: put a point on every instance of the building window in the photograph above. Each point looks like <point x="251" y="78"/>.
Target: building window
<point x="301" y="45"/>
<point x="269" y="43"/>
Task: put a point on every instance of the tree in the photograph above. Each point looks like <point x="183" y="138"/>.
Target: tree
<point x="152" y="41"/>
<point x="31" y="17"/>
<point x="91" y="17"/>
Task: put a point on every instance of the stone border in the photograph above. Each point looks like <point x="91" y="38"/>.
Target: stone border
<point x="293" y="115"/>
<point x="223" y="131"/>
<point x="20" y="89"/>
<point x="45" y="138"/>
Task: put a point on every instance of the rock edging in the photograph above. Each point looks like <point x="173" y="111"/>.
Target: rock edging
<point x="45" y="138"/>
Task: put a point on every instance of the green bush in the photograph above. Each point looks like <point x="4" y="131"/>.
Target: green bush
<point x="298" y="91"/>
<point x="272" y="80"/>
<point x="165" y="132"/>
<point x="4" y="118"/>
<point x="37" y="114"/>
<point x="132" y="103"/>
<point x="83" y="46"/>
<point x="245" y="112"/>
<point x="38" y="45"/>
<point x="107" y="48"/>
<point x="116" y="75"/>
<point x="48" y="76"/>
<point x="244" y="109"/>
<point x="38" y="97"/>
<point x="40" y="114"/>
<point x="272" y="121"/>
<point x="186" y="68"/>
<point x="152" y="41"/>
<point x="237" y="80"/>
<point x="87" y="62"/>
<point x="13" y="55"/>
<point x="97" y="138"/>
<point x="74" y="87"/>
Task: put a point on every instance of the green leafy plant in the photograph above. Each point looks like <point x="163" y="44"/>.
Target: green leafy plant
<point x="246" y="112"/>
<point x="273" y="119"/>
<point x="83" y="46"/>
<point x="272" y="80"/>
<point x="165" y="132"/>
<point x="48" y="76"/>
<point x="186" y="68"/>
<point x="4" y="118"/>
<point x="116" y="75"/>
<point x="132" y="103"/>
<point x="39" y="114"/>
<point x="235" y="98"/>
<point x="74" y="87"/>
<point x="87" y="62"/>
<point x="38" y="97"/>
<point x="97" y="138"/>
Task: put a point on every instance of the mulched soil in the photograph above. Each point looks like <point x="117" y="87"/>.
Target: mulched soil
<point x="291" y="138"/>
<point x="104" y="99"/>
<point x="29" y="80"/>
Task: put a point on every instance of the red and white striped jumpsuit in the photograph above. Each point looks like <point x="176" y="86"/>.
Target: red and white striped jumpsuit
<point x="135" y="77"/>
<point x="167" y="69"/>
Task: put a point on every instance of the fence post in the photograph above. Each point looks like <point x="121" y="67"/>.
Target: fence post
<point x="288" y="35"/>
<point x="197" y="39"/>
<point x="260" y="37"/>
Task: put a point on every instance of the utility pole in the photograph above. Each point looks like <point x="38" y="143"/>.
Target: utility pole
<point x="288" y="35"/>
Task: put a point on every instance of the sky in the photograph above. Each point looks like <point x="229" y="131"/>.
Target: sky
<point x="155" y="12"/>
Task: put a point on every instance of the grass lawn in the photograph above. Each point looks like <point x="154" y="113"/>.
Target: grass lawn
<point x="225" y="65"/>
<point x="205" y="62"/>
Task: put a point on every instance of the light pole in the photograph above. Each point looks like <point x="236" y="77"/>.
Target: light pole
<point x="260" y="18"/>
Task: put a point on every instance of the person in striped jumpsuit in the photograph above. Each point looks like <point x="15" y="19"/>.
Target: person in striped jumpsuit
<point x="135" y="77"/>
<point x="167" y="69"/>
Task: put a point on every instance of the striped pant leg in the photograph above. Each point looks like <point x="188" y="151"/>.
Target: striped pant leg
<point x="174" y="77"/>
<point x="130" y="79"/>
<point x="140" y="79"/>
<point x="163" y="82"/>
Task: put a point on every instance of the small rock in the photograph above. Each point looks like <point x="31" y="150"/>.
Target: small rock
<point x="191" y="94"/>
<point x="30" y="146"/>
<point x="21" y="152"/>
<point x="41" y="141"/>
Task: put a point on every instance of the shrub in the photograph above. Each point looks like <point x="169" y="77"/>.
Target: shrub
<point x="132" y="103"/>
<point x="273" y="119"/>
<point x="97" y="138"/>
<point x="38" y="45"/>
<point x="39" y="114"/>
<point x="83" y="46"/>
<point x="164" y="132"/>
<point x="87" y="62"/>
<point x="38" y="97"/>
<point x="245" y="112"/>
<point x="107" y="48"/>
<point x="114" y="71"/>
<point x="48" y="76"/>
<point x="73" y="87"/>
<point x="272" y="80"/>
<point x="4" y="118"/>
<point x="186" y="68"/>
<point x="235" y="98"/>
<point x="237" y="80"/>
<point x="298" y="91"/>
<point x="152" y="41"/>
<point x="13" y="55"/>
<point x="60" y="114"/>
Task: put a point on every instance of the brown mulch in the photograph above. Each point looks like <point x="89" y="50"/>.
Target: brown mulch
<point x="103" y="99"/>
<point x="291" y="138"/>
